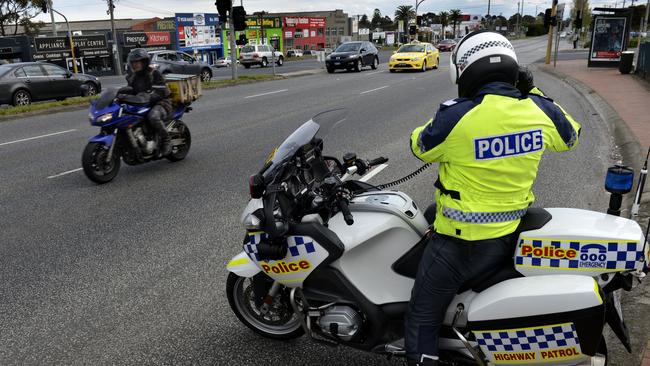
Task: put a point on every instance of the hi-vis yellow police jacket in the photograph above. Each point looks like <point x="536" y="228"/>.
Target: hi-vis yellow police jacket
<point x="489" y="148"/>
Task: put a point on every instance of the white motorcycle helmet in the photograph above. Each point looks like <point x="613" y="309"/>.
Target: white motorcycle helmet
<point x="482" y="57"/>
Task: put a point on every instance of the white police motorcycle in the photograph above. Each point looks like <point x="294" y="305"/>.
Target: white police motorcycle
<point x="336" y="258"/>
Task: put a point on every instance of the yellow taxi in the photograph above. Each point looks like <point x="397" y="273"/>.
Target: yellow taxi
<point x="415" y="56"/>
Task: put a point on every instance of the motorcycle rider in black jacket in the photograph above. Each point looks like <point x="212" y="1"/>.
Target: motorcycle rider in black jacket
<point x="149" y="84"/>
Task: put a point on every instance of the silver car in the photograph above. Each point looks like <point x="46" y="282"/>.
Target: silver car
<point x="176" y="62"/>
<point x="259" y="55"/>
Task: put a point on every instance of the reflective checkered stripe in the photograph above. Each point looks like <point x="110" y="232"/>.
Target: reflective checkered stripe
<point x="462" y="62"/>
<point x="482" y="217"/>
<point x="538" y="344"/>
<point x="297" y="245"/>
<point x="578" y="255"/>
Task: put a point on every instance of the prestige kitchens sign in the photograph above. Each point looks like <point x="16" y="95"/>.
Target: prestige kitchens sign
<point x="85" y="43"/>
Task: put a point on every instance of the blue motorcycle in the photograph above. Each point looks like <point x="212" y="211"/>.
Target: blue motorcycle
<point x="125" y="135"/>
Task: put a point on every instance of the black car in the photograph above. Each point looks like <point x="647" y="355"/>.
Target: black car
<point x="25" y="82"/>
<point x="353" y="56"/>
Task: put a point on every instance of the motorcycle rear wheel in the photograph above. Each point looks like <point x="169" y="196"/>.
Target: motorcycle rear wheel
<point x="95" y="166"/>
<point x="279" y="323"/>
<point x="180" y="131"/>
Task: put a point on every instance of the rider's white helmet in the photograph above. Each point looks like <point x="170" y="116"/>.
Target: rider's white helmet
<point x="482" y="57"/>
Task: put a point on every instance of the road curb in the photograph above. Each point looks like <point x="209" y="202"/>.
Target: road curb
<point x="630" y="148"/>
<point x="60" y="109"/>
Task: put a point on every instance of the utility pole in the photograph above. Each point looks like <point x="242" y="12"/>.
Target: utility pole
<point x="233" y="45"/>
<point x="74" y="59"/>
<point x="49" y="5"/>
<point x="518" y="16"/>
<point x="116" y="50"/>
<point x="645" y="19"/>
<point x="549" y="45"/>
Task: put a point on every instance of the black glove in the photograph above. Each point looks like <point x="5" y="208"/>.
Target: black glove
<point x="525" y="81"/>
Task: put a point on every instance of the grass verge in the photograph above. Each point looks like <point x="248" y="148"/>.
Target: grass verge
<point x="244" y="79"/>
<point x="45" y="106"/>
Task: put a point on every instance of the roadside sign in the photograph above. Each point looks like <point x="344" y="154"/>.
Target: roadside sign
<point x="400" y="26"/>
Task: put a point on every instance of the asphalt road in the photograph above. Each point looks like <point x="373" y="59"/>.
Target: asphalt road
<point x="133" y="272"/>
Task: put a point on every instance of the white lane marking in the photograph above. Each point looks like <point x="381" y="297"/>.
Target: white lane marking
<point x="36" y="137"/>
<point x="263" y="94"/>
<point x="64" y="173"/>
<point x="373" y="172"/>
<point x="370" y="91"/>
<point x="376" y="72"/>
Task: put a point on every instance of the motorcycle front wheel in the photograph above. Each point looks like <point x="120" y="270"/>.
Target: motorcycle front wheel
<point x="95" y="165"/>
<point x="181" y="141"/>
<point x="280" y="322"/>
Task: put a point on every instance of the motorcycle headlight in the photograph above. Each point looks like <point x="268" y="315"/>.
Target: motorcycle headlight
<point x="105" y="118"/>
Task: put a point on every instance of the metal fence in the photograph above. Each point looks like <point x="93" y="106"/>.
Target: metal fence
<point x="643" y="64"/>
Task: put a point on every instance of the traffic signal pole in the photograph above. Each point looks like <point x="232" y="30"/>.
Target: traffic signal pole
<point x="233" y="46"/>
<point x="549" y="45"/>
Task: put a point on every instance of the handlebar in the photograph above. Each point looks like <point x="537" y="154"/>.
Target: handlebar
<point x="378" y="161"/>
<point x="345" y="210"/>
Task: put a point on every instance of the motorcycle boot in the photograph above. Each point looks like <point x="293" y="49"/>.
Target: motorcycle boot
<point x="156" y="117"/>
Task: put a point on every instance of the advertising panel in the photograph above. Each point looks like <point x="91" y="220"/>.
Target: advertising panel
<point x="608" y="39"/>
<point x="196" y="31"/>
<point x="48" y="48"/>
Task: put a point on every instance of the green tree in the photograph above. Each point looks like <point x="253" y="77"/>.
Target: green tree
<point x="17" y="13"/>
<point x="430" y="18"/>
<point x="444" y="21"/>
<point x="364" y="22"/>
<point x="387" y="24"/>
<point x="405" y="13"/>
<point x="455" y="17"/>
<point x="376" y="19"/>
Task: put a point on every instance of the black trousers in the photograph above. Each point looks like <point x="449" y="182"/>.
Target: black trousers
<point x="156" y="118"/>
<point x="446" y="265"/>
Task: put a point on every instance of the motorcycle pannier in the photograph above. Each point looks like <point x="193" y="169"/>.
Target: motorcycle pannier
<point x="185" y="89"/>
<point x="544" y="319"/>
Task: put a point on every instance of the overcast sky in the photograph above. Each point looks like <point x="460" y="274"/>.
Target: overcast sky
<point x="96" y="9"/>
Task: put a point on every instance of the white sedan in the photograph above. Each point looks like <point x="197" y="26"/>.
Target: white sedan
<point x="223" y="62"/>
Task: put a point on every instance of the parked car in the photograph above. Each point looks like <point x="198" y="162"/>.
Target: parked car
<point x="294" y="53"/>
<point x="25" y="82"/>
<point x="176" y="62"/>
<point x="259" y="55"/>
<point x="223" y="62"/>
<point x="414" y="56"/>
<point x="353" y="56"/>
<point x="446" y="45"/>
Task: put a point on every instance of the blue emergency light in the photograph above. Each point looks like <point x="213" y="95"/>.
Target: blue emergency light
<point x="619" y="179"/>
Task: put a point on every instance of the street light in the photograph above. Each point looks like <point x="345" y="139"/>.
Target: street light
<point x="417" y="4"/>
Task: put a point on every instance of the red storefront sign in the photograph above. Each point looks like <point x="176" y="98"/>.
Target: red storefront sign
<point x="305" y="31"/>
<point x="158" y="38"/>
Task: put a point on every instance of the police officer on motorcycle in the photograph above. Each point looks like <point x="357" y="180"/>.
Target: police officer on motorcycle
<point x="489" y="143"/>
<point x="149" y="83"/>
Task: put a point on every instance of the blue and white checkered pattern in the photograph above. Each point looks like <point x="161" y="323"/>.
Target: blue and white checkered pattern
<point x="617" y="256"/>
<point x="297" y="245"/>
<point x="482" y="217"/>
<point x="529" y="339"/>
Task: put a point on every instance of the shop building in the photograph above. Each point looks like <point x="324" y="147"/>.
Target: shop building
<point x="266" y="31"/>
<point x="15" y="49"/>
<point x="337" y="24"/>
<point x="304" y="33"/>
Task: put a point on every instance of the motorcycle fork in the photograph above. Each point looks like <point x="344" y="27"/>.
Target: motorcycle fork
<point x="270" y="297"/>
<point x="109" y="156"/>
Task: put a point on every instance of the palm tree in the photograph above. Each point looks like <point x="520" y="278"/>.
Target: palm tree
<point x="444" y="21"/>
<point x="405" y="13"/>
<point x="454" y="16"/>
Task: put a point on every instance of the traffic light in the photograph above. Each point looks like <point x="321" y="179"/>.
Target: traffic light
<point x="44" y="6"/>
<point x="413" y="30"/>
<point x="223" y="7"/>
<point x="577" y="22"/>
<point x="418" y="20"/>
<point x="239" y="18"/>
<point x="548" y="19"/>
<point x="242" y="41"/>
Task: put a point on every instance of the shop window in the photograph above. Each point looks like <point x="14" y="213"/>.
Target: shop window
<point x="319" y="32"/>
<point x="298" y="33"/>
<point x="341" y="31"/>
